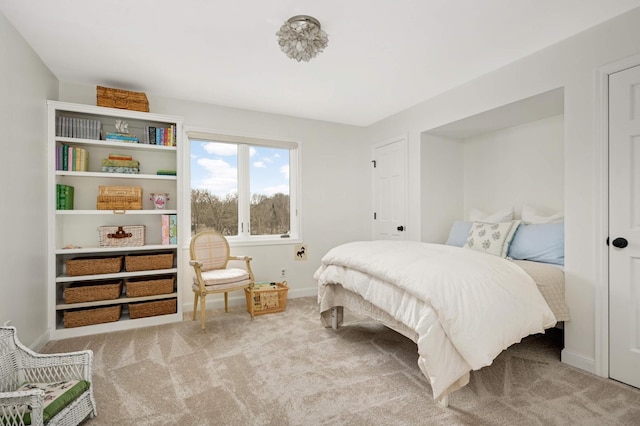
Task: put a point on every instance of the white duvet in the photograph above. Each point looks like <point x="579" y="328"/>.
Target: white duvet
<point x="465" y="306"/>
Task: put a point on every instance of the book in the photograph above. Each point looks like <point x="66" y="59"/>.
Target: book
<point x="120" y="157"/>
<point x="173" y="229"/>
<point x="166" y="172"/>
<point x="165" y="229"/>
<point x="64" y="197"/>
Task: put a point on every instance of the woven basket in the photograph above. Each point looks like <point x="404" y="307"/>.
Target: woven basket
<point x="146" y="262"/>
<point x="119" y="198"/>
<point x="86" y="292"/>
<point x="121" y="236"/>
<point x="138" y="287"/>
<point x="94" y="265"/>
<point x="151" y="309"/>
<point x="123" y="99"/>
<point x="267" y="298"/>
<point x="82" y="317"/>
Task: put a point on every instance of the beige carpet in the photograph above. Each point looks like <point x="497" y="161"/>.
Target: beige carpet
<point x="286" y="369"/>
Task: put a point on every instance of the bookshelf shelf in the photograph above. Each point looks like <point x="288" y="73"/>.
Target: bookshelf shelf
<point x="77" y="227"/>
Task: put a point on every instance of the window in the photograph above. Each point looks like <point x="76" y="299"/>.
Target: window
<point x="244" y="188"/>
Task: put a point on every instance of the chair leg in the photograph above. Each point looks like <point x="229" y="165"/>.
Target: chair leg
<point x="226" y="301"/>
<point x="195" y="305"/>
<point x="202" y="311"/>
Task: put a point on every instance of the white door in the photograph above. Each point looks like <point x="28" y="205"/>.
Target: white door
<point x="624" y="226"/>
<point x="389" y="186"/>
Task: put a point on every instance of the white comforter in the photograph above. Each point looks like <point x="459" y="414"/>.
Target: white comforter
<point x="465" y="306"/>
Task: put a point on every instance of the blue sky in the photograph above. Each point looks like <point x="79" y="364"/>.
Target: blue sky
<point x="214" y="166"/>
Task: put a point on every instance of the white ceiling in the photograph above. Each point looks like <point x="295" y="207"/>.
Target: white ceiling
<point x="383" y="56"/>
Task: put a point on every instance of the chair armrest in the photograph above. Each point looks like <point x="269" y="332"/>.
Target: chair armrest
<point x="195" y="263"/>
<point x="245" y="258"/>
<point x="13" y="406"/>
<point x="39" y="367"/>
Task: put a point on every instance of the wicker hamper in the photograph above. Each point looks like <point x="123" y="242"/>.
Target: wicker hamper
<point x="123" y="99"/>
<point x="149" y="261"/>
<point x="82" y="317"/>
<point x="119" y="198"/>
<point x="89" y="292"/>
<point x="137" y="287"/>
<point x="94" y="265"/>
<point x="121" y="236"/>
<point x="267" y="298"/>
<point x="151" y="309"/>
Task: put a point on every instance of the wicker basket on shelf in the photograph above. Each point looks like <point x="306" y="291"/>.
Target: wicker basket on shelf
<point x="146" y="262"/>
<point x="138" y="287"/>
<point x="93" y="265"/>
<point x="152" y="309"/>
<point x="89" y="292"/>
<point x="119" y="198"/>
<point x="123" y="99"/>
<point x="82" y="317"/>
<point x="121" y="236"/>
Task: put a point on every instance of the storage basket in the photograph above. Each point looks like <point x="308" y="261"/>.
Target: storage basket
<point x="123" y="99"/>
<point x="121" y="236"/>
<point x="94" y="265"/>
<point x="267" y="298"/>
<point x="82" y="317"/>
<point x="151" y="309"/>
<point x="89" y="292"/>
<point x="119" y="198"/>
<point x="137" y="287"/>
<point x="149" y="261"/>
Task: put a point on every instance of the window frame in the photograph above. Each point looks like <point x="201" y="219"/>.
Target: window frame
<point x="244" y="238"/>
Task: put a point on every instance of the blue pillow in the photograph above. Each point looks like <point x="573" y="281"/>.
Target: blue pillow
<point x="539" y="242"/>
<point x="459" y="233"/>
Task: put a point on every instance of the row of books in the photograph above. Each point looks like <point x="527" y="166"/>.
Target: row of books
<point x="64" y="197"/>
<point x="72" y="158"/>
<point x="122" y="137"/>
<point x="169" y="229"/>
<point x="161" y="135"/>
<point x="73" y="127"/>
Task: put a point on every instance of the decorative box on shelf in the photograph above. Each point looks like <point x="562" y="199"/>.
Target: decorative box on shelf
<point x="82" y="317"/>
<point x="93" y="265"/>
<point x="152" y="309"/>
<point x="267" y="298"/>
<point x="148" y="261"/>
<point x="123" y="99"/>
<point x="119" y="198"/>
<point x="90" y="292"/>
<point x="121" y="236"/>
<point x="144" y="286"/>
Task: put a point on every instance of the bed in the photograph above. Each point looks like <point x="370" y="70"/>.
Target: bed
<point x="461" y="306"/>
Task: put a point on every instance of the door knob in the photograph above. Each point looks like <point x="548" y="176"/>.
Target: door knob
<point x="400" y="228"/>
<point x="620" y="242"/>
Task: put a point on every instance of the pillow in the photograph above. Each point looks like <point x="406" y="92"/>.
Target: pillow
<point x="532" y="215"/>
<point x="459" y="233"/>
<point x="477" y="215"/>
<point x="540" y="242"/>
<point x="491" y="238"/>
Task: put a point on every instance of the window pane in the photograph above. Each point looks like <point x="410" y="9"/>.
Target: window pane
<point x="214" y="187"/>
<point x="269" y="188"/>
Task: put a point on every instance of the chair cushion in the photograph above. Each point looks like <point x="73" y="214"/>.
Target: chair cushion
<point x="217" y="277"/>
<point x="56" y="396"/>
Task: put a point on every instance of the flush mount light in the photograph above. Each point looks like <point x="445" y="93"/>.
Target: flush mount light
<point x="301" y="38"/>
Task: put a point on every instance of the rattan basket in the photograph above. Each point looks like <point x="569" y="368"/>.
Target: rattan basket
<point x="82" y="317"/>
<point x="152" y="309"/>
<point x="89" y="292"/>
<point x="119" y="198"/>
<point x="121" y="236"/>
<point x="123" y="99"/>
<point x="94" y="265"/>
<point x="146" y="262"/>
<point x="137" y="287"/>
<point x="268" y="298"/>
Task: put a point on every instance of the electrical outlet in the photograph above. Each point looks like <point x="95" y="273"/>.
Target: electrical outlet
<point x="283" y="273"/>
<point x="300" y="252"/>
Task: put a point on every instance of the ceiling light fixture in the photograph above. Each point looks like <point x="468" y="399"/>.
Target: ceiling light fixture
<point x="301" y="38"/>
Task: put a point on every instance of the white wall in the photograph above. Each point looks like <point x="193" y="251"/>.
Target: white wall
<point x="570" y="64"/>
<point x="25" y="85"/>
<point x="522" y="164"/>
<point x="335" y="184"/>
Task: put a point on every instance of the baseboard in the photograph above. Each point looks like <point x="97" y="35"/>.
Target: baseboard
<point x="40" y="342"/>
<point x="578" y="361"/>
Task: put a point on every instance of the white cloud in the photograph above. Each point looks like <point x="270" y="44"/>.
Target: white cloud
<point x="285" y="171"/>
<point x="259" y="164"/>
<point x="220" y="177"/>
<point x="222" y="149"/>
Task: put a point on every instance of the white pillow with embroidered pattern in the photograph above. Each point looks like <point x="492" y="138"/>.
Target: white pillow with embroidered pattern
<point x="491" y="238"/>
<point x="477" y="215"/>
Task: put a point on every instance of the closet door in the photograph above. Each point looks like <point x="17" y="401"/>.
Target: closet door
<point x="624" y="226"/>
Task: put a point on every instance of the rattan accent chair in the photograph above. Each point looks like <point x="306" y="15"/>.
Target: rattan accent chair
<point x="25" y="374"/>
<point x="210" y="256"/>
